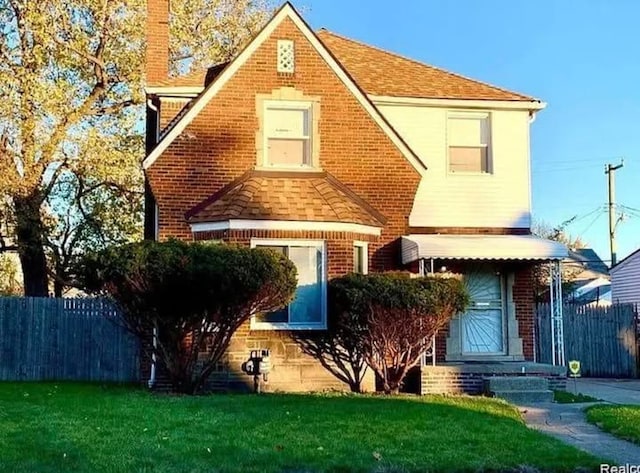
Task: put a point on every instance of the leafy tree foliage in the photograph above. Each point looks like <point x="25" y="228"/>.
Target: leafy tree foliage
<point x="542" y="272"/>
<point x="194" y="295"/>
<point x="385" y="321"/>
<point x="71" y="118"/>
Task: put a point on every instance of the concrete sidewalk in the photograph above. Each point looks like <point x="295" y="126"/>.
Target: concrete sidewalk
<point x="616" y="391"/>
<point x="567" y="422"/>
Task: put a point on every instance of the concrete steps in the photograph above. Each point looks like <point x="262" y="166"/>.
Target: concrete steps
<point x="519" y="389"/>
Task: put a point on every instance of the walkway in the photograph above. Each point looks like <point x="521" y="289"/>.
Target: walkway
<point x="616" y="391"/>
<point x="567" y="422"/>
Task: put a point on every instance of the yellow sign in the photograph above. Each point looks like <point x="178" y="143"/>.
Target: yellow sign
<point x="574" y="367"/>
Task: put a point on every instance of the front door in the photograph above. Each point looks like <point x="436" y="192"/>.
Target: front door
<point x="482" y="326"/>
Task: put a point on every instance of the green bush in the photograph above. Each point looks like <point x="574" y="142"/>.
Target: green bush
<point x="194" y="295"/>
<point x="387" y="320"/>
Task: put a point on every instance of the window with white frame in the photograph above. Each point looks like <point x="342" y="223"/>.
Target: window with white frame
<point x="360" y="257"/>
<point x="469" y="143"/>
<point x="287" y="127"/>
<point x="308" y="309"/>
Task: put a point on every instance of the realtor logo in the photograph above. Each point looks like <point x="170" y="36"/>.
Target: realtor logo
<point x="574" y="367"/>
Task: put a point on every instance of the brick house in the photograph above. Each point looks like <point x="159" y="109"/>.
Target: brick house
<point x="349" y="158"/>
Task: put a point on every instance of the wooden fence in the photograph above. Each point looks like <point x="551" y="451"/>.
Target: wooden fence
<point x="603" y="339"/>
<point x="64" y="339"/>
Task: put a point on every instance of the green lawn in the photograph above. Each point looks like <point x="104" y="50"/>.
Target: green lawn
<point x="88" y="428"/>
<point x="621" y="421"/>
<point x="566" y="397"/>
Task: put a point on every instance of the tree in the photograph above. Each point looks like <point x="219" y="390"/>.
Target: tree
<point x="541" y="272"/>
<point x="71" y="118"/>
<point x="194" y="295"/>
<point x="386" y="320"/>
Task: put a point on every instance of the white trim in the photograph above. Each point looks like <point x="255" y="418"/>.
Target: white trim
<point x="286" y="225"/>
<point x="365" y="247"/>
<point x="287" y="11"/>
<point x="320" y="244"/>
<point x="183" y="91"/>
<point x="458" y="103"/>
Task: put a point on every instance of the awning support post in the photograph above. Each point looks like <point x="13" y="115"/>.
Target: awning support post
<point x="555" y="300"/>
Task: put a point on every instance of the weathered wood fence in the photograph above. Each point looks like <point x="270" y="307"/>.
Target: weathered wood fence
<point x="603" y="339"/>
<point x="64" y="339"/>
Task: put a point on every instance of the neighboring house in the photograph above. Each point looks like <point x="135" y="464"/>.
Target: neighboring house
<point x="625" y="280"/>
<point x="589" y="278"/>
<point x="346" y="157"/>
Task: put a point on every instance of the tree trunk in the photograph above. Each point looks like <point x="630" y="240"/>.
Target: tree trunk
<point x="29" y="235"/>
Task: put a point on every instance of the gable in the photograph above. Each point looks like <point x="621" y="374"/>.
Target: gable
<point x="286" y="14"/>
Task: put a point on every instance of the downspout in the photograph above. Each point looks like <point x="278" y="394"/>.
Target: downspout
<point x="152" y="375"/>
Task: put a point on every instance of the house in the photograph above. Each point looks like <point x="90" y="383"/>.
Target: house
<point x="589" y="278"/>
<point x="346" y="157"/>
<point x="625" y="280"/>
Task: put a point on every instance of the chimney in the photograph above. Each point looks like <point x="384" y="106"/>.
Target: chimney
<point x="157" y="67"/>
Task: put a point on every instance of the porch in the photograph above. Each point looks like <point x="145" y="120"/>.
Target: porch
<point x="495" y="337"/>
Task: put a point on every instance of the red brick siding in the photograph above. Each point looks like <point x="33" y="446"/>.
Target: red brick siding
<point x="219" y="145"/>
<point x="169" y="109"/>
<point x="157" y="54"/>
<point x="525" y="308"/>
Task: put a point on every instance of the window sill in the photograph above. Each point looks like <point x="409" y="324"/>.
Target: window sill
<point x="286" y="326"/>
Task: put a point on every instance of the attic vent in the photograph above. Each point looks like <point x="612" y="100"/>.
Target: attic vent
<point x="286" y="58"/>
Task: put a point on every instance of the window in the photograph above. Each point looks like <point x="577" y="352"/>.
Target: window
<point x="288" y="135"/>
<point x="360" y="257"/>
<point x="307" y="311"/>
<point x="468" y="137"/>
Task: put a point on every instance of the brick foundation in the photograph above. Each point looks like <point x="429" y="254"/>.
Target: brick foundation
<point x="467" y="379"/>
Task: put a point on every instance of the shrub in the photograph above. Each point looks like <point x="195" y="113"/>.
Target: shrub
<point x="340" y="349"/>
<point x="194" y="295"/>
<point x="388" y="320"/>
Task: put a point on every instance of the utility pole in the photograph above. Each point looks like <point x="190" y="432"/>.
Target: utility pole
<point x="610" y="170"/>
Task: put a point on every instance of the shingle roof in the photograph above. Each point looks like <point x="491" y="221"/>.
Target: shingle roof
<point x="200" y="78"/>
<point x="267" y="195"/>
<point x="380" y="72"/>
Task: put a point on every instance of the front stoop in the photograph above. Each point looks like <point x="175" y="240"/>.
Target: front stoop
<point x="518" y="389"/>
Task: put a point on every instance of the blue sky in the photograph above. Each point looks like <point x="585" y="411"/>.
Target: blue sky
<point x="580" y="56"/>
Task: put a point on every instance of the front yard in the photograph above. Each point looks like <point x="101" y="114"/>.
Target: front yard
<point x="621" y="421"/>
<point x="86" y="428"/>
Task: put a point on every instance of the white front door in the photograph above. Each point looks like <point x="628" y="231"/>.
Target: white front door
<point x="482" y="326"/>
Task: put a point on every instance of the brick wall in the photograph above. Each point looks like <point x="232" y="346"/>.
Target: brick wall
<point x="220" y="145"/>
<point x="523" y="298"/>
<point x="453" y="380"/>
<point x="292" y="370"/>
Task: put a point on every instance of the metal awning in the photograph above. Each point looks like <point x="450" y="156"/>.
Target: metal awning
<point x="481" y="247"/>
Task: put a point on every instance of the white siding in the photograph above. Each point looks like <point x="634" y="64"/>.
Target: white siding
<point x="625" y="280"/>
<point x="498" y="199"/>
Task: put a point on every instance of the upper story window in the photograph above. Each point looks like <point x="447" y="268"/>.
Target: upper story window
<point x="288" y="134"/>
<point x="469" y="143"/>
